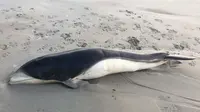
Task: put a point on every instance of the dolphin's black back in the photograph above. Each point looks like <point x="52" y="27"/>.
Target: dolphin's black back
<point x="63" y="66"/>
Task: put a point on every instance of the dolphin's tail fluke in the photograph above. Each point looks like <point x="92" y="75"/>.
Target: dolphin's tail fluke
<point x="175" y="60"/>
<point x="179" y="57"/>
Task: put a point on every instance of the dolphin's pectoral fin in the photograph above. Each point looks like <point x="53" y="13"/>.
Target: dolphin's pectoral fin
<point x="74" y="83"/>
<point x="93" y="81"/>
<point x="71" y="83"/>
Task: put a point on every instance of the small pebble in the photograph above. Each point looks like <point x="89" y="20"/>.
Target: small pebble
<point x="65" y="35"/>
<point x="3" y="47"/>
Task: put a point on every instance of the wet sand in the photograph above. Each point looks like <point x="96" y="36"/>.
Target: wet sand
<point x="31" y="29"/>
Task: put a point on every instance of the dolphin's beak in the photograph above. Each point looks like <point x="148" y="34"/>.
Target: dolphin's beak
<point x="21" y="78"/>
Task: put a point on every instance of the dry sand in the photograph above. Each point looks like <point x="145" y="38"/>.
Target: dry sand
<point x="32" y="28"/>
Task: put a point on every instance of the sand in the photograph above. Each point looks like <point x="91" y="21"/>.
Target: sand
<point x="33" y="28"/>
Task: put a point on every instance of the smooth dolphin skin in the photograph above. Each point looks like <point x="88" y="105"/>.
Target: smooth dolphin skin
<point x="72" y="67"/>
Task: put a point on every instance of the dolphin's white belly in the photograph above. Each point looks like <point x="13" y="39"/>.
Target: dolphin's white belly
<point x="111" y="66"/>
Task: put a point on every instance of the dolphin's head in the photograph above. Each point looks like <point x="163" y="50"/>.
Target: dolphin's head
<point x="34" y="72"/>
<point x="20" y="77"/>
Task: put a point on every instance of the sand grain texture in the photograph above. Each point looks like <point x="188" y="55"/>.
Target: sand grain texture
<point x="34" y="28"/>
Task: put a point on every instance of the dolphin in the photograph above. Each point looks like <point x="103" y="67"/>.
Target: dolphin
<point x="74" y="66"/>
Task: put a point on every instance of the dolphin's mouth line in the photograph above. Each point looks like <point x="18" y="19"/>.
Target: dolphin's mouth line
<point x="22" y="78"/>
<point x="17" y="82"/>
<point x="32" y="81"/>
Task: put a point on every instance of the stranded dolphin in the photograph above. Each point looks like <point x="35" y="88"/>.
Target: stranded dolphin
<point x="71" y="67"/>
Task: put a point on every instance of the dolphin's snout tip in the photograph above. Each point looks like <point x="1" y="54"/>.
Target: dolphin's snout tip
<point x="11" y="80"/>
<point x="18" y="77"/>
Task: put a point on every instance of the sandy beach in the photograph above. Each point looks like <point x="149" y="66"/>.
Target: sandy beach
<point x="29" y="29"/>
